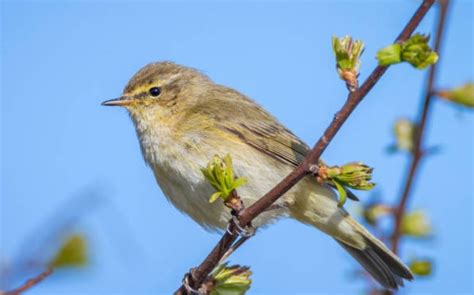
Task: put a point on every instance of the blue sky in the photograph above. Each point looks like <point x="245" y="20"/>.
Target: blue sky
<point x="59" y="60"/>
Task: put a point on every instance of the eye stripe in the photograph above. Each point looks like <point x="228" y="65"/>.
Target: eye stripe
<point x="140" y="95"/>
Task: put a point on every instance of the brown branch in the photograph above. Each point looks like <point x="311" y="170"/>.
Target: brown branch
<point x="418" y="150"/>
<point x="30" y="283"/>
<point x="199" y="274"/>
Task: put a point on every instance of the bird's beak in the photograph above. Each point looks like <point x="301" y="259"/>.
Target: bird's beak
<point x="121" y="101"/>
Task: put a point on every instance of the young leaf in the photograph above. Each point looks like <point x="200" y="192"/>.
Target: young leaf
<point x="220" y="176"/>
<point x="353" y="175"/>
<point x="230" y="280"/>
<point x="347" y="53"/>
<point x="214" y="197"/>
<point x="417" y="52"/>
<point x="342" y="194"/>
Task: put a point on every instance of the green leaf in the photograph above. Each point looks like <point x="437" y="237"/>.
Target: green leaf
<point x="417" y="52"/>
<point x="230" y="280"/>
<point x="239" y="182"/>
<point x="354" y="175"/>
<point x="342" y="194"/>
<point x="347" y="53"/>
<point x="428" y="60"/>
<point x="220" y="176"/>
<point x="214" y="197"/>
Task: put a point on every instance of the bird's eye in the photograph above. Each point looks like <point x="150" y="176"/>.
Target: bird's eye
<point x="155" y="91"/>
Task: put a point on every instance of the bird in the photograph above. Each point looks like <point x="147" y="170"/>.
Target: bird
<point x="182" y="119"/>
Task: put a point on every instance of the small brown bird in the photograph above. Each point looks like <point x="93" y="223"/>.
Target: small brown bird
<point x="183" y="119"/>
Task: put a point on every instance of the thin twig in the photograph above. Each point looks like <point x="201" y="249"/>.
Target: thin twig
<point x="30" y="283"/>
<point x="419" y="150"/>
<point x="200" y="273"/>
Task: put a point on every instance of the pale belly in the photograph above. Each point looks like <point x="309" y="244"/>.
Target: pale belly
<point x="185" y="186"/>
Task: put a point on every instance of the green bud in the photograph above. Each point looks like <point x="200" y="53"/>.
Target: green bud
<point x="220" y="175"/>
<point x="463" y="95"/>
<point x="416" y="224"/>
<point x="347" y="54"/>
<point x="421" y="267"/>
<point x="405" y="132"/>
<point x="73" y="253"/>
<point x="415" y="51"/>
<point x="390" y="55"/>
<point x="374" y="212"/>
<point x="233" y="280"/>
<point x="418" y="53"/>
<point x="353" y="175"/>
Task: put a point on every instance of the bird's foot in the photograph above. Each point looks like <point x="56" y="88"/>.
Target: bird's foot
<point x="185" y="282"/>
<point x="234" y="228"/>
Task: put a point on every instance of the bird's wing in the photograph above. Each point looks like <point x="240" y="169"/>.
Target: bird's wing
<point x="269" y="138"/>
<point x="239" y="116"/>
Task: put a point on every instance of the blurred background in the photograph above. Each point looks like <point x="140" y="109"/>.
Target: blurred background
<point x="72" y="167"/>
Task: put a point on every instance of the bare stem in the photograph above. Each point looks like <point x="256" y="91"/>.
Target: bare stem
<point x="418" y="150"/>
<point x="200" y="273"/>
<point x="30" y="283"/>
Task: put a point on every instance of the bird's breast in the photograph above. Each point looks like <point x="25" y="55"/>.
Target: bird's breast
<point x="176" y="161"/>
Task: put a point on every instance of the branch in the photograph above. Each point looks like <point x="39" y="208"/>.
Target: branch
<point x="418" y="149"/>
<point x="199" y="274"/>
<point x="30" y="283"/>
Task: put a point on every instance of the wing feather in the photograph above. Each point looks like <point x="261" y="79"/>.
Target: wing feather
<point x="253" y="125"/>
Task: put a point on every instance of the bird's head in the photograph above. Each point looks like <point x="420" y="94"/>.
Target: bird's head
<point x="160" y="90"/>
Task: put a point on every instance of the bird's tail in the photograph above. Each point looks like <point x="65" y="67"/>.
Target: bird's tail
<point x="320" y="210"/>
<point x="381" y="263"/>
